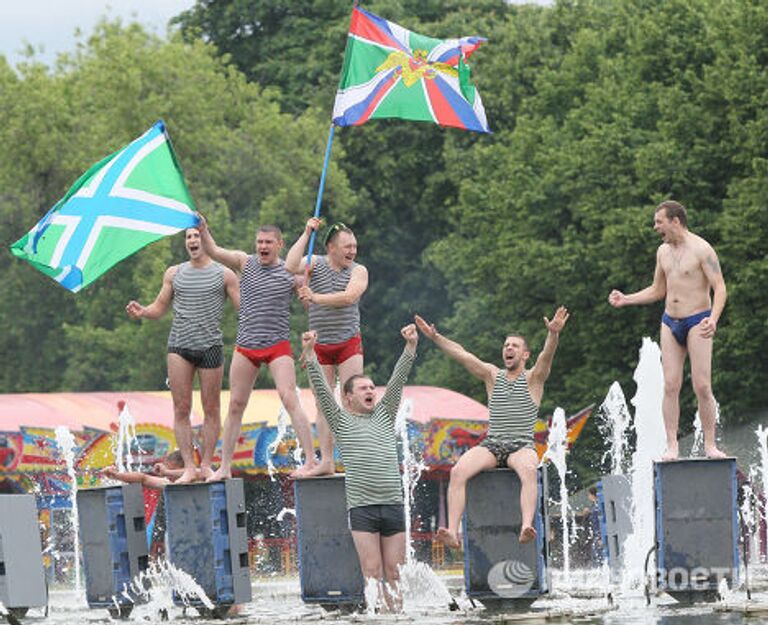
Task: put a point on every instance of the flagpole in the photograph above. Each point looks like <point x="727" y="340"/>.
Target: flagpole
<point x="319" y="202"/>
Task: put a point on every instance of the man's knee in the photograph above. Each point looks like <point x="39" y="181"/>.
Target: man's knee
<point x="392" y="573"/>
<point x="702" y="389"/>
<point x="288" y="397"/>
<point x="672" y="385"/>
<point x="182" y="410"/>
<point x="460" y="474"/>
<point x="237" y="405"/>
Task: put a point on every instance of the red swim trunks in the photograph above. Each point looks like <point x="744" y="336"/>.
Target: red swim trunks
<point x="266" y="355"/>
<point x="336" y="353"/>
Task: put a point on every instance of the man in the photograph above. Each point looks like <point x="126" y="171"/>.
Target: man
<point x="514" y="396"/>
<point x="333" y="295"/>
<point x="263" y="326"/>
<point x="687" y="270"/>
<point x="197" y="289"/>
<point x="365" y="434"/>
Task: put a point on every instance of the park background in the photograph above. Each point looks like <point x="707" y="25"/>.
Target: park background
<point x="599" y="110"/>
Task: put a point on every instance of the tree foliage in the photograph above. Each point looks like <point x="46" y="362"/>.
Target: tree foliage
<point x="599" y="109"/>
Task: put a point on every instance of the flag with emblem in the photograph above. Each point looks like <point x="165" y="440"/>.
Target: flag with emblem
<point x="392" y="72"/>
<point x="121" y="204"/>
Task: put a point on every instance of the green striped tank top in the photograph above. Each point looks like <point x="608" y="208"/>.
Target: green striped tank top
<point x="511" y="411"/>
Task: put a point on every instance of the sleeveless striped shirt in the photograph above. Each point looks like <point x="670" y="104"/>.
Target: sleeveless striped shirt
<point x="198" y="303"/>
<point x="265" y="300"/>
<point x="511" y="411"/>
<point x="333" y="324"/>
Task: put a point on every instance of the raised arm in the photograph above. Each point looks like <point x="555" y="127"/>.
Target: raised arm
<point x="541" y="370"/>
<point x="162" y="302"/>
<point x="317" y="379"/>
<point x="234" y="259"/>
<point x="294" y="260"/>
<point x="711" y="267"/>
<point x="648" y="295"/>
<point x="358" y="283"/>
<point x="394" y="393"/>
<point x="232" y="286"/>
<point x="481" y="370"/>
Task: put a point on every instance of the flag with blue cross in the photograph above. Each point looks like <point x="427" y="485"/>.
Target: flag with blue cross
<point x="121" y="204"/>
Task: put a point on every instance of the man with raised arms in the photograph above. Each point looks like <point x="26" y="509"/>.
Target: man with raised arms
<point x="514" y="396"/>
<point x="687" y="273"/>
<point x="263" y="327"/>
<point x="365" y="434"/>
<point x="196" y="289"/>
<point x="333" y="295"/>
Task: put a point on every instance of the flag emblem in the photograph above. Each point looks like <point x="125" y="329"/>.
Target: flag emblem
<point x="392" y="72"/>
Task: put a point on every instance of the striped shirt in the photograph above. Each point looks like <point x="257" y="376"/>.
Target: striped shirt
<point x="334" y="324"/>
<point x="511" y="411"/>
<point x="265" y="300"/>
<point x="198" y="303"/>
<point x="367" y="442"/>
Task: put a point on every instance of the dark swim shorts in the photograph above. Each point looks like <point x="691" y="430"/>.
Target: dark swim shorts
<point x="385" y="519"/>
<point x="681" y="327"/>
<point x="210" y="358"/>
<point x="503" y="449"/>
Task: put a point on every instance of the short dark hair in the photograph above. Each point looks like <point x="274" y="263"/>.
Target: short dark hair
<point x="174" y="458"/>
<point x="349" y="385"/>
<point x="519" y="336"/>
<point x="273" y="229"/>
<point x="333" y="232"/>
<point x="593" y="490"/>
<point x="674" y="209"/>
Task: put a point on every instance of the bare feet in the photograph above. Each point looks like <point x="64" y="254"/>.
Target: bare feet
<point x="527" y="534"/>
<point x="672" y="453"/>
<point x="204" y="472"/>
<point x="189" y="476"/>
<point x="447" y="537"/>
<point x="219" y="475"/>
<point x="324" y="467"/>
<point x="305" y="470"/>
<point x="714" y="453"/>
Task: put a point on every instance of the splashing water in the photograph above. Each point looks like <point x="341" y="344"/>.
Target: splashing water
<point x="285" y="511"/>
<point x="283" y="418"/>
<point x="762" y="441"/>
<point x="412" y="469"/>
<point x="67" y="444"/>
<point x="649" y="425"/>
<point x="697" y="448"/>
<point x="616" y="421"/>
<point x="124" y="439"/>
<point x="557" y="448"/>
<point x="155" y="586"/>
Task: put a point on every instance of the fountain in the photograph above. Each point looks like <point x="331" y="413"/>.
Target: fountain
<point x="67" y="444"/>
<point x="557" y="448"/>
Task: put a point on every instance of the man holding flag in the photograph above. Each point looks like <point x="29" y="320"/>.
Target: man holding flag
<point x="333" y="294"/>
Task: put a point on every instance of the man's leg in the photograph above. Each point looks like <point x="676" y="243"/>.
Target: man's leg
<point x="181" y="374"/>
<point x="242" y="375"/>
<point x="672" y="361"/>
<point x="700" y="352"/>
<point x="470" y="464"/>
<point x="210" y="394"/>
<point x="393" y="557"/>
<point x="524" y="462"/>
<point x="368" y="547"/>
<point x="284" y="374"/>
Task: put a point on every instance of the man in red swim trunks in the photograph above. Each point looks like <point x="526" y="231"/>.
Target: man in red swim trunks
<point x="263" y="327"/>
<point x="333" y="295"/>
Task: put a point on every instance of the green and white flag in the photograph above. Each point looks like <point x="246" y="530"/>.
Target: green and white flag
<point x="121" y="204"/>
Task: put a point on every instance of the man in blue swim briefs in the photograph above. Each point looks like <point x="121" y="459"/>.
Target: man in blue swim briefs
<point x="687" y="272"/>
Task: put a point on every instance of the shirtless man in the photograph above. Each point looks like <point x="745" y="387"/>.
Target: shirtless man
<point x="263" y="327"/>
<point x="365" y="432"/>
<point x="514" y="396"/>
<point x="197" y="290"/>
<point x="687" y="270"/>
<point x="333" y="295"/>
